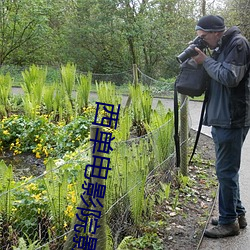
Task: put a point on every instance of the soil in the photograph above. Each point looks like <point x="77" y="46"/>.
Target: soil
<point x="179" y="221"/>
<point x="24" y="164"/>
<point x="186" y="223"/>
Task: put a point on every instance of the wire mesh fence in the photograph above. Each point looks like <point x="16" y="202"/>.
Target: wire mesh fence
<point x="38" y="213"/>
<point x="160" y="87"/>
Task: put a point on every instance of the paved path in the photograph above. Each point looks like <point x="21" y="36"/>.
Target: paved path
<point x="241" y="242"/>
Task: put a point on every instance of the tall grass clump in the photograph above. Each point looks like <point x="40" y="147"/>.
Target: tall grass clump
<point x="56" y="183"/>
<point x="5" y="90"/>
<point x="106" y="92"/>
<point x="33" y="85"/>
<point x="141" y="106"/>
<point x="161" y="132"/>
<point x="68" y="74"/>
<point x="83" y="91"/>
<point x="48" y="97"/>
<point x="6" y="184"/>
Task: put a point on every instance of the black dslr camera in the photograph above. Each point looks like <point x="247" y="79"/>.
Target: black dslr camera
<point x="190" y="51"/>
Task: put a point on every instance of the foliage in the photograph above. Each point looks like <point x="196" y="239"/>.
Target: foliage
<point x="48" y="98"/>
<point x="50" y="200"/>
<point x="34" y="81"/>
<point x="130" y="161"/>
<point x="41" y="136"/>
<point x="55" y="100"/>
<point x="23" y="28"/>
<point x="125" y="124"/>
<point x="5" y="90"/>
<point x="111" y="36"/>
<point x="236" y="13"/>
<point x="141" y="105"/>
<point x="22" y="244"/>
<point x="6" y="184"/>
<point x="43" y="207"/>
<point x="161" y="128"/>
<point x="68" y="74"/>
<point x="57" y="189"/>
<point x="147" y="241"/>
<point x="106" y="92"/>
<point x="31" y="195"/>
<point x="83" y="90"/>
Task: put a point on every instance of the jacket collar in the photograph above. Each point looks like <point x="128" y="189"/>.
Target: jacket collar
<point x="231" y="32"/>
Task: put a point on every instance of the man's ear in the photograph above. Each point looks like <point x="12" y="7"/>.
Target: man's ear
<point x="219" y="34"/>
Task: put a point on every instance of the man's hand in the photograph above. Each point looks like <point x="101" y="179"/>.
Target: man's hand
<point x="200" y="58"/>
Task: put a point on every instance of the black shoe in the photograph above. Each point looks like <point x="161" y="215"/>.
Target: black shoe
<point x="221" y="231"/>
<point x="241" y="219"/>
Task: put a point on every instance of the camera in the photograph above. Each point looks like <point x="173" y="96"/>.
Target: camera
<point x="190" y="51"/>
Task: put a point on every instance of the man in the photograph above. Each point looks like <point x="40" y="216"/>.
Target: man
<point x="228" y="112"/>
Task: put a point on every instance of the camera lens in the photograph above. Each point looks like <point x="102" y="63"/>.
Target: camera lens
<point x="190" y="51"/>
<point x="187" y="53"/>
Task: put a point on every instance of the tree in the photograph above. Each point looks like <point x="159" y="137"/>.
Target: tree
<point x="108" y="36"/>
<point x="20" y="22"/>
<point x="237" y="13"/>
<point x="31" y="31"/>
<point x="102" y="36"/>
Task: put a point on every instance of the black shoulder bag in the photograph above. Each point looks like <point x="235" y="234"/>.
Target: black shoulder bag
<point x="191" y="81"/>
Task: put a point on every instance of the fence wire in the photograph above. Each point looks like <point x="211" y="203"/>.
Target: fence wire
<point x="34" y="217"/>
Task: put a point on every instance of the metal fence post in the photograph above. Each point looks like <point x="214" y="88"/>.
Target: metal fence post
<point x="184" y="135"/>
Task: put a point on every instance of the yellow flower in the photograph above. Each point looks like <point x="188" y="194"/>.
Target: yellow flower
<point x="69" y="211"/>
<point x="17" y="152"/>
<point x="38" y="155"/>
<point x="12" y="145"/>
<point x="45" y="151"/>
<point x="37" y="196"/>
<point x="73" y="199"/>
<point x="31" y="186"/>
<point x="6" y="132"/>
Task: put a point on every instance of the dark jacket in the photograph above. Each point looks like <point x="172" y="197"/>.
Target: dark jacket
<point x="229" y="90"/>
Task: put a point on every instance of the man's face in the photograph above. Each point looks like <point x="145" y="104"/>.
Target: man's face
<point x="211" y="38"/>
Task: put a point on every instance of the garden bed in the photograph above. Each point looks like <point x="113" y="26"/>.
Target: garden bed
<point x="185" y="224"/>
<point x="24" y="165"/>
<point x="179" y="221"/>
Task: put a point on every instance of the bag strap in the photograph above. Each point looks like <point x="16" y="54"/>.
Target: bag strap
<point x="199" y="127"/>
<point x="176" y="126"/>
